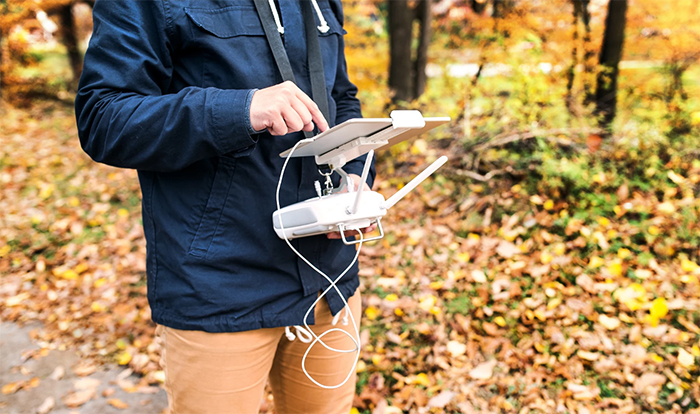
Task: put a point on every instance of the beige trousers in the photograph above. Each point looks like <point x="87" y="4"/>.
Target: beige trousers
<point x="225" y="373"/>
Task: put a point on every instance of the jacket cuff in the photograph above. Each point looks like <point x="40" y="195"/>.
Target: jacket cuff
<point x="230" y="109"/>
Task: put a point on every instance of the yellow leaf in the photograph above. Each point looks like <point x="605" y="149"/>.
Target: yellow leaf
<point x="124" y="358"/>
<point x="549" y="205"/>
<point x="427" y="303"/>
<point x="354" y="410"/>
<point x="74" y="201"/>
<point x="633" y="296"/>
<point x="685" y="359"/>
<point x="560" y="249"/>
<point x="473" y="236"/>
<point x="654" y="357"/>
<point x="545" y="257"/>
<point x="123" y="213"/>
<point x="437" y="285"/>
<point x="654" y="230"/>
<point x="398" y="312"/>
<point x="99" y="282"/>
<point x="391" y="297"/>
<point x="624" y="253"/>
<point x="372" y="313"/>
<point x="435" y="310"/>
<point x="81" y="267"/>
<point x="4" y="250"/>
<point x="553" y="303"/>
<point x="689" y="266"/>
<point x="599" y="178"/>
<point x="603" y="221"/>
<point x="615" y="269"/>
<point x="421" y="379"/>
<point x="463" y="257"/>
<point x="596" y="262"/>
<point x="500" y="321"/>
<point x="361" y="366"/>
<point x="377" y="359"/>
<point x="658" y="309"/>
<point x="610" y="323"/>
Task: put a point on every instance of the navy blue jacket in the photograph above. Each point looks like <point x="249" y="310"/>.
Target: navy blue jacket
<point x="166" y="89"/>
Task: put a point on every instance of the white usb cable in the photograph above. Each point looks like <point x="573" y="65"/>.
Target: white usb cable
<point x="306" y="330"/>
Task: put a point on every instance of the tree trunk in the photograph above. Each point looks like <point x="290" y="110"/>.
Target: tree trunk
<point x="2" y="79"/>
<point x="571" y="73"/>
<point x="400" y="36"/>
<point x="478" y="6"/>
<point x="610" y="55"/>
<point x="588" y="54"/>
<point x="71" y="42"/>
<point x="424" y="16"/>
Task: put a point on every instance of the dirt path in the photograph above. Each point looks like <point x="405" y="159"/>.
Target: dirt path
<point x="31" y="381"/>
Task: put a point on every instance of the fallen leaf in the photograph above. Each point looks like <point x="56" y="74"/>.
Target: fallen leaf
<point x="610" y="323"/>
<point x="649" y="383"/>
<point x="441" y="400"/>
<point x="78" y="398"/>
<point x="84" y="369"/>
<point x="483" y="371"/>
<point x="685" y="359"/>
<point x="507" y="249"/>
<point x="87" y="384"/>
<point x="456" y="348"/>
<point x="48" y="405"/>
<point x="58" y="373"/>
<point x="117" y="403"/>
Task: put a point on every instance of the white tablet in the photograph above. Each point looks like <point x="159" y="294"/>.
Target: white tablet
<point x="358" y="136"/>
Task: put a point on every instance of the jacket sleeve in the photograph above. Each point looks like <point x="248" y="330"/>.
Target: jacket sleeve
<point x="344" y="94"/>
<point x="124" y="114"/>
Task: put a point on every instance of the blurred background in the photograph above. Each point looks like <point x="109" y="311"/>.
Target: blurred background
<point x="551" y="266"/>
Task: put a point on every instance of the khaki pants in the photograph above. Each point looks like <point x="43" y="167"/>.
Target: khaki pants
<point x="222" y="373"/>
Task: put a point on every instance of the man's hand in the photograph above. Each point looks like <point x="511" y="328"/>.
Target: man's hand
<point x="356" y="180"/>
<point x="284" y="108"/>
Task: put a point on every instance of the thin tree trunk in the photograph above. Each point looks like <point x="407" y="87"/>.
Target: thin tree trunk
<point x="478" y="7"/>
<point x="424" y="16"/>
<point x="610" y="55"/>
<point x="2" y="79"/>
<point x="400" y="35"/>
<point x="71" y="42"/>
<point x="571" y="73"/>
<point x="588" y="54"/>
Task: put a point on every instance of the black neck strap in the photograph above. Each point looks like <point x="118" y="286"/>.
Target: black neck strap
<point x="313" y="51"/>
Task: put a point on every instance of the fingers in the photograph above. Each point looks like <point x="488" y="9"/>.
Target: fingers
<point x="284" y="108"/>
<point x="316" y="113"/>
<point x="366" y="230"/>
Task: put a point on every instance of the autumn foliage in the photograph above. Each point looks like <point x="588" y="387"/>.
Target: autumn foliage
<point x="545" y="269"/>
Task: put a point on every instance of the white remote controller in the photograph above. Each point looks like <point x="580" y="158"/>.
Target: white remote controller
<point x="343" y="211"/>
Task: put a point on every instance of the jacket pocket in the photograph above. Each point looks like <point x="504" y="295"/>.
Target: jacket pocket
<point x="215" y="207"/>
<point x="227" y="22"/>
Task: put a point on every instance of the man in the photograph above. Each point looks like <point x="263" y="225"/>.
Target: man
<point x="188" y="93"/>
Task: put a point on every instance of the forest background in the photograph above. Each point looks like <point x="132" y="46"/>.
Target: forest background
<point x="551" y="266"/>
